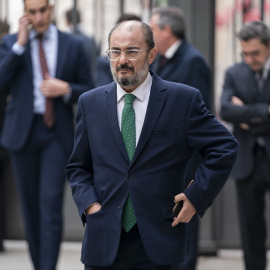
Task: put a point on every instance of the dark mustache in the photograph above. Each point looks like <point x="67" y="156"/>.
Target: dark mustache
<point x="125" y="66"/>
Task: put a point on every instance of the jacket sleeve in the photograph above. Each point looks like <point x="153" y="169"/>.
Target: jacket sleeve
<point x="10" y="63"/>
<point x="217" y="146"/>
<point x="79" y="169"/>
<point x="248" y="113"/>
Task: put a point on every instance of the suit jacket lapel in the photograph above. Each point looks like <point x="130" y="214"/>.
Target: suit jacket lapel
<point x="169" y="67"/>
<point x="29" y="65"/>
<point x="155" y="105"/>
<point x="110" y="107"/>
<point x="251" y="82"/>
<point x="265" y="94"/>
<point x="61" y="54"/>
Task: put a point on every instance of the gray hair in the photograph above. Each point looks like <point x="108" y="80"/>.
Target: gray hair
<point x="173" y="17"/>
<point x="146" y="30"/>
<point x="255" y="30"/>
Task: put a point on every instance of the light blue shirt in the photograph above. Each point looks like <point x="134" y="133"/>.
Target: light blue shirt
<point x="50" y="46"/>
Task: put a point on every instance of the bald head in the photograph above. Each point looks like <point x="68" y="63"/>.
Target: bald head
<point x="133" y="27"/>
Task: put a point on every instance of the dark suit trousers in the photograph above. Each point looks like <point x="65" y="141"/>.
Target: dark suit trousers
<point x="193" y="226"/>
<point x="132" y="255"/>
<point x="39" y="174"/>
<point x="251" y="206"/>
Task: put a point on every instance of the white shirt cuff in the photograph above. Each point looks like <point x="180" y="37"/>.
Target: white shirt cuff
<point x="18" y="49"/>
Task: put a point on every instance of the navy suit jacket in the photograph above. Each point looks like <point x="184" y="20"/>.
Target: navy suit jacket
<point x="103" y="71"/>
<point x="176" y="122"/>
<point x="240" y="81"/>
<point x="187" y="66"/>
<point x="16" y="80"/>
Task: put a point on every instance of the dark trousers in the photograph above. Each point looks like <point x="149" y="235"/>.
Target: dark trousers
<point x="132" y="255"/>
<point x="251" y="206"/>
<point x="190" y="261"/>
<point x="193" y="226"/>
<point x="39" y="173"/>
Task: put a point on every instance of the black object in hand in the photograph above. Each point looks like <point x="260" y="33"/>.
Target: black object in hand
<point x="177" y="208"/>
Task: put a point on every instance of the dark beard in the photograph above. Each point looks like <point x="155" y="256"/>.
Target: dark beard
<point x="135" y="79"/>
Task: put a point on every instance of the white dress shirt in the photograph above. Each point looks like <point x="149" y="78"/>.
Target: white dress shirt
<point x="171" y="50"/>
<point x="50" y="46"/>
<point x="140" y="103"/>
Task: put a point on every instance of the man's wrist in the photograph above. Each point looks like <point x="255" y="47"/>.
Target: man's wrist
<point x="18" y="49"/>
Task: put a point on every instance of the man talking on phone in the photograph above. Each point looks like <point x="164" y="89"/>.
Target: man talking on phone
<point x="43" y="71"/>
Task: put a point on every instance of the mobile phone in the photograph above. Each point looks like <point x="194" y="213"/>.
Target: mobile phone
<point x="177" y="208"/>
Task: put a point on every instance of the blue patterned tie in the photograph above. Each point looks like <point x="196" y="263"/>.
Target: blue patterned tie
<point x="129" y="137"/>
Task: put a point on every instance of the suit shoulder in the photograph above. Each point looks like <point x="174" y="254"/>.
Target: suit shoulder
<point x="98" y="91"/>
<point x="9" y="39"/>
<point x="103" y="60"/>
<point x="237" y="68"/>
<point x="68" y="37"/>
<point x="179" y="88"/>
<point x="192" y="52"/>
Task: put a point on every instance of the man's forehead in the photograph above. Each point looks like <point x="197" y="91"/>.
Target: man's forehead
<point x="129" y="25"/>
<point x="127" y="35"/>
<point x="35" y="4"/>
<point x="254" y="42"/>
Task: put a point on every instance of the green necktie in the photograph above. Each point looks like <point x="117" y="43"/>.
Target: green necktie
<point x="128" y="132"/>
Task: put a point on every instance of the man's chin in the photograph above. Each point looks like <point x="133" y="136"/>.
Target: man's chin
<point x="40" y="29"/>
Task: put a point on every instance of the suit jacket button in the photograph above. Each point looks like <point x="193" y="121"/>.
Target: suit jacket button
<point x="128" y="176"/>
<point x="120" y="206"/>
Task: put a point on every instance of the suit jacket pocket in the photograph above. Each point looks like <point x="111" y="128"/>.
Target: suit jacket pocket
<point x="166" y="131"/>
<point x="167" y="211"/>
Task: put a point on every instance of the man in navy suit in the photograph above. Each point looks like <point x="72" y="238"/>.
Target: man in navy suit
<point x="178" y="61"/>
<point x="39" y="149"/>
<point x="73" y="19"/>
<point x="245" y="103"/>
<point x="114" y="187"/>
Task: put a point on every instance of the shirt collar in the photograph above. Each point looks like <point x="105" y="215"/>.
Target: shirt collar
<point x="46" y="35"/>
<point x="171" y="50"/>
<point x="140" y="92"/>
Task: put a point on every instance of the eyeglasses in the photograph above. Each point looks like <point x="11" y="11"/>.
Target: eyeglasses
<point x="130" y="54"/>
<point x="251" y="54"/>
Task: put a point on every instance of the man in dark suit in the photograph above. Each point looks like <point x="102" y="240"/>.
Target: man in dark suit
<point x="43" y="71"/>
<point x="178" y="61"/>
<point x="245" y="103"/>
<point x="73" y="19"/>
<point x="128" y="165"/>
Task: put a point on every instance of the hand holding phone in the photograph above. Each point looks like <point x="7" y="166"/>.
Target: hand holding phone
<point x="177" y="208"/>
<point x="24" y="27"/>
<point x="179" y="205"/>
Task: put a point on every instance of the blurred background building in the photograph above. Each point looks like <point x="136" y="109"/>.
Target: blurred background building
<point x="211" y="27"/>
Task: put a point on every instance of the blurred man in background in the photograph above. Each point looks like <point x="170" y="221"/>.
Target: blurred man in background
<point x="245" y="103"/>
<point x="73" y="19"/>
<point x="178" y="61"/>
<point x="43" y="71"/>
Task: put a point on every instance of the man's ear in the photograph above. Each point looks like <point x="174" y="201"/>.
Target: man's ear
<point x="151" y="55"/>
